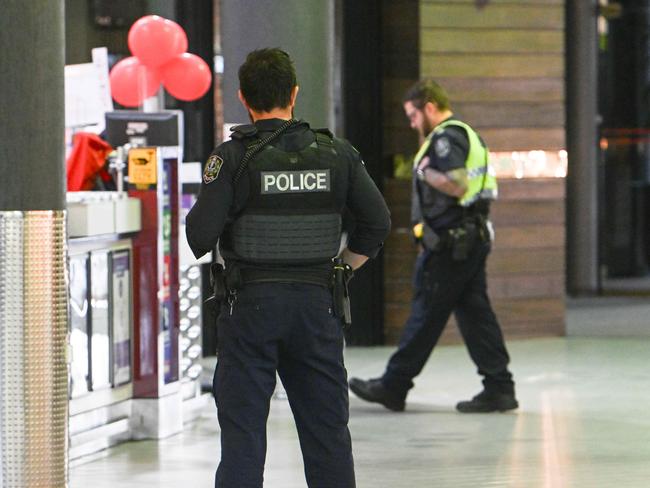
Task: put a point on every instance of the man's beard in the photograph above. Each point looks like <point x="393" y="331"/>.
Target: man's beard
<point x="426" y="128"/>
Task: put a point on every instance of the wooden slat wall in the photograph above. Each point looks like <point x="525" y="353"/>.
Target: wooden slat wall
<point x="525" y="269"/>
<point x="503" y="65"/>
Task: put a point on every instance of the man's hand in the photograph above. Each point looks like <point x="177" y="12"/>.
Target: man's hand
<point x="353" y="259"/>
<point x="453" y="183"/>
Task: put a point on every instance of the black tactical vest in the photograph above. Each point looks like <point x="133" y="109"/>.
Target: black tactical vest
<point x="292" y="216"/>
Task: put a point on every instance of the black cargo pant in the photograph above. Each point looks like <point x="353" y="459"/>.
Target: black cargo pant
<point x="288" y="328"/>
<point x="443" y="286"/>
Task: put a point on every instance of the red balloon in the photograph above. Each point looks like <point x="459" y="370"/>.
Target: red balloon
<point x="132" y="82"/>
<point x="155" y="40"/>
<point x="187" y="77"/>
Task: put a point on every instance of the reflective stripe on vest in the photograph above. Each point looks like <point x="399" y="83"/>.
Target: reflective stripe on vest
<point x="423" y="150"/>
<point x="481" y="179"/>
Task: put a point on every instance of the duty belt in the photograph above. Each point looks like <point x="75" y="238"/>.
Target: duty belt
<point x="459" y="239"/>
<point x="312" y="276"/>
<point x="336" y="278"/>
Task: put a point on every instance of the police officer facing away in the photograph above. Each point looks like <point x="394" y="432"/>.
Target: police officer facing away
<point x="452" y="191"/>
<point x="277" y="219"/>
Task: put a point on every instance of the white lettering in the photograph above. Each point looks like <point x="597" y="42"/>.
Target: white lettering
<point x="269" y="181"/>
<point x="294" y="187"/>
<point x="135" y="128"/>
<point x="310" y="186"/>
<point x="295" y="181"/>
<point x="282" y="186"/>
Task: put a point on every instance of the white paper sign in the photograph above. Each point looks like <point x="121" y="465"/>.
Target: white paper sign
<point x="87" y="92"/>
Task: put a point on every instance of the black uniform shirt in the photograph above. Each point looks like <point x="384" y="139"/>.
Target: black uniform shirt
<point x="448" y="151"/>
<point x="219" y="203"/>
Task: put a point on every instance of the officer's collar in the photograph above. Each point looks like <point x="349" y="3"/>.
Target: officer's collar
<point x="451" y="117"/>
<point x="265" y="125"/>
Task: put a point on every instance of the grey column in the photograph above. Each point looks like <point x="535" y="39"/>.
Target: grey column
<point x="582" y="177"/>
<point x="303" y="28"/>
<point x="32" y="105"/>
<point x="33" y="293"/>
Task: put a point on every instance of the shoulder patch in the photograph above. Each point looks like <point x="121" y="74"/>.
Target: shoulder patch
<point x="212" y="168"/>
<point x="442" y="147"/>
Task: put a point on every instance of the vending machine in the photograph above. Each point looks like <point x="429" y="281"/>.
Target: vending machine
<point x="153" y="179"/>
<point x="153" y="142"/>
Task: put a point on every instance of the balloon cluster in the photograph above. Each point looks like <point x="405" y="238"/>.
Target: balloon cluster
<point x="159" y="53"/>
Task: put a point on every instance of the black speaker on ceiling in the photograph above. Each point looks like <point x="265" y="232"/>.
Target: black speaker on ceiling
<point x="117" y="14"/>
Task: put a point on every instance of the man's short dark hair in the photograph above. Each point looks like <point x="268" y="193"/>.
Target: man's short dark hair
<point x="425" y="91"/>
<point x="266" y="79"/>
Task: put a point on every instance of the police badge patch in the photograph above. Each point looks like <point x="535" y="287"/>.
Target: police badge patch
<point x="442" y="147"/>
<point x="212" y="168"/>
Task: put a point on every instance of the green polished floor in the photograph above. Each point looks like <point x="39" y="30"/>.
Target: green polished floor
<point x="583" y="422"/>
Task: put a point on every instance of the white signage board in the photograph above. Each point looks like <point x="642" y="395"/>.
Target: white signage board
<point x="87" y="92"/>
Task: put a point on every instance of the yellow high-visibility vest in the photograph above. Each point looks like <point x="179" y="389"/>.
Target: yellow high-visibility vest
<point x="481" y="179"/>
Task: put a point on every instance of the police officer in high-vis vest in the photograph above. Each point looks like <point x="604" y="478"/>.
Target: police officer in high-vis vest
<point x="452" y="190"/>
<point x="273" y="199"/>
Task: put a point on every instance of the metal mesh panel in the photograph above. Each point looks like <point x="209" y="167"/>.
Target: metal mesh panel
<point x="33" y="313"/>
<point x="190" y="324"/>
<point x="11" y="348"/>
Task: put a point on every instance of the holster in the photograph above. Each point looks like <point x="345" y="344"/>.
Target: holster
<point x="342" y="273"/>
<point x="464" y="238"/>
<point x="430" y="239"/>
<point x="461" y="243"/>
<point x="218" y="283"/>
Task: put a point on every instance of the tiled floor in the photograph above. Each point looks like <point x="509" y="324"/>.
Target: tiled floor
<point x="584" y="422"/>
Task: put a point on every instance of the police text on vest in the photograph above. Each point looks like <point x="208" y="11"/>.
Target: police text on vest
<point x="295" y="181"/>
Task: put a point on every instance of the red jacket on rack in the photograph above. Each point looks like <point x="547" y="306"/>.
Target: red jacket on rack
<point x="86" y="161"/>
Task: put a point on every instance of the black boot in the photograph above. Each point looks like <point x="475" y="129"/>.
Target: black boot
<point x="375" y="391"/>
<point x="489" y="401"/>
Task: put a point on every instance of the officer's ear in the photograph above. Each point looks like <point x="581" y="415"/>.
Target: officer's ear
<point x="240" y="95"/>
<point x="294" y="95"/>
<point x="430" y="110"/>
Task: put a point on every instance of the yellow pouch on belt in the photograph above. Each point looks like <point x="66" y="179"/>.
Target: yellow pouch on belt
<point x="418" y="230"/>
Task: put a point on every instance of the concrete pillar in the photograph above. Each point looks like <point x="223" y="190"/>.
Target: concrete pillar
<point x="33" y="292"/>
<point x="32" y="105"/>
<point x="303" y="28"/>
<point x="582" y="177"/>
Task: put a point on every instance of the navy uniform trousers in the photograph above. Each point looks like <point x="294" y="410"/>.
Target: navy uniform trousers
<point x="288" y="328"/>
<point x="442" y="286"/>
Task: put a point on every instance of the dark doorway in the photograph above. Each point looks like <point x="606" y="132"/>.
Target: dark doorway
<point x="362" y="96"/>
<point x="624" y="95"/>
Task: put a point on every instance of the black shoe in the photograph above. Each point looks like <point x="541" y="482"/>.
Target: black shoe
<point x="489" y="401"/>
<point x="375" y="391"/>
